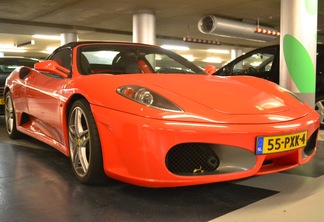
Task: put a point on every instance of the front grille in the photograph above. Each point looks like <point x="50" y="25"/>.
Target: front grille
<point x="192" y="159"/>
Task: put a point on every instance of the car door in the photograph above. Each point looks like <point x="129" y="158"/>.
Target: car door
<point x="262" y="63"/>
<point x="43" y="93"/>
<point x="44" y="98"/>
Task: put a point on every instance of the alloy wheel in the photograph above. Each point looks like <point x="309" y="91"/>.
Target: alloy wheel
<point x="79" y="141"/>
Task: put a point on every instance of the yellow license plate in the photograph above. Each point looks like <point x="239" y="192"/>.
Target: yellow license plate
<point x="280" y="143"/>
<point x="1" y="101"/>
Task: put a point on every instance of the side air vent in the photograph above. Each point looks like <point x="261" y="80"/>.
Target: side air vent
<point x="23" y="72"/>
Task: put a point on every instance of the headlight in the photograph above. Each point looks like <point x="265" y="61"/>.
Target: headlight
<point x="144" y="96"/>
<point x="148" y="97"/>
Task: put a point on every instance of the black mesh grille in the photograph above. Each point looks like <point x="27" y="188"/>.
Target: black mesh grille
<point x="192" y="159"/>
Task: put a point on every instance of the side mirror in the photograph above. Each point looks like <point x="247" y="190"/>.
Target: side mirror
<point x="53" y="67"/>
<point x="210" y="69"/>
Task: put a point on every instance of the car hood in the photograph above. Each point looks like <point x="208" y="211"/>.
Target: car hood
<point x="239" y="99"/>
<point x="228" y="97"/>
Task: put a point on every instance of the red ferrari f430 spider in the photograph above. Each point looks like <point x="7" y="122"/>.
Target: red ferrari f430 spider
<point x="146" y="116"/>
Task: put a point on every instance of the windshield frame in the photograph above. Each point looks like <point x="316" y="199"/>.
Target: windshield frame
<point x="138" y="51"/>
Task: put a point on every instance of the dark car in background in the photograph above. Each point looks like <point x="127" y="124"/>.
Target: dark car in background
<point x="264" y="63"/>
<point x="7" y="65"/>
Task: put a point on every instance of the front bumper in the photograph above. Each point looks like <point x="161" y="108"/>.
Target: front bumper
<point x="139" y="150"/>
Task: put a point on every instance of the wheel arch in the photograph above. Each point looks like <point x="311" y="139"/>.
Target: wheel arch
<point x="70" y="102"/>
<point x="6" y="89"/>
<point x="93" y="172"/>
<point x="65" y="115"/>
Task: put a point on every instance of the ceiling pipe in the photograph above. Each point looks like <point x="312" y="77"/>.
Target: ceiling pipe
<point x="213" y="25"/>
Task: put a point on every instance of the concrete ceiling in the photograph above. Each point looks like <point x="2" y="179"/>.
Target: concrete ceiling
<point x="111" y="20"/>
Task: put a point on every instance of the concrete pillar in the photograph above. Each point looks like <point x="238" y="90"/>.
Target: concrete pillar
<point x="68" y="37"/>
<point x="298" y="29"/>
<point x="144" y="27"/>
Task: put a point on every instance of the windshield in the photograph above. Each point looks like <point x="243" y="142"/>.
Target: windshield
<point x="126" y="59"/>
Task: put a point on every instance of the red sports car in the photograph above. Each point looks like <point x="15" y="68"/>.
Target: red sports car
<point x="146" y="116"/>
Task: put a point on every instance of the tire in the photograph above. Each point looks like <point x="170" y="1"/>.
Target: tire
<point x="10" y="118"/>
<point x="84" y="144"/>
<point x="319" y="107"/>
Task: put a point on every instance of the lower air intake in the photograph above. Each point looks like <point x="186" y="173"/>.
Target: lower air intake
<point x="192" y="159"/>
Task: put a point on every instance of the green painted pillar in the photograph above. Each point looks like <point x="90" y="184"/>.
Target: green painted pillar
<point x="298" y="37"/>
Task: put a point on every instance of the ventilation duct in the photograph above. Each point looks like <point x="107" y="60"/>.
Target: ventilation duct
<point x="213" y="25"/>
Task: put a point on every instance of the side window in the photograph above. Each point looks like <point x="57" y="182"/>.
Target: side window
<point x="63" y="58"/>
<point x="255" y="63"/>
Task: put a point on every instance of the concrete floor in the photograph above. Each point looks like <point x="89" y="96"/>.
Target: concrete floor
<point x="37" y="184"/>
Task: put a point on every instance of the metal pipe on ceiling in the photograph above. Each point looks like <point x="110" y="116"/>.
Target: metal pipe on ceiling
<point x="213" y="25"/>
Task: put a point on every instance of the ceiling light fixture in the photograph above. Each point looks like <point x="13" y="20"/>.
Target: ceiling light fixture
<point x="7" y="46"/>
<point x="213" y="60"/>
<point x="48" y="37"/>
<point x="175" y="47"/>
<point x="219" y="51"/>
<point x="12" y="50"/>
